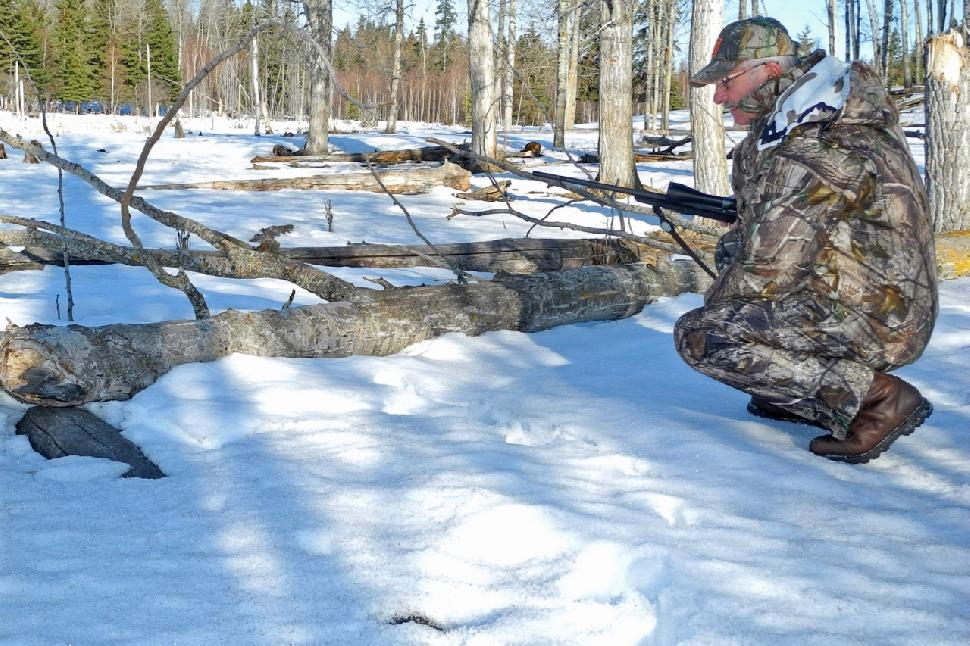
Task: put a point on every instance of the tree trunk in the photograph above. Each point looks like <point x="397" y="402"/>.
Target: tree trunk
<point x="930" y="25"/>
<point x="67" y="366"/>
<point x="904" y="41"/>
<point x="830" y="5"/>
<point x="513" y="256"/>
<point x="887" y="19"/>
<point x="481" y="68"/>
<point x="710" y="163"/>
<point x="948" y="131"/>
<point x="426" y="154"/>
<point x="669" y="23"/>
<point x="396" y="67"/>
<point x="409" y="181"/>
<point x="572" y="88"/>
<point x="616" y="93"/>
<point x="920" y="46"/>
<point x="319" y="14"/>
<point x="567" y="25"/>
<point x="874" y="26"/>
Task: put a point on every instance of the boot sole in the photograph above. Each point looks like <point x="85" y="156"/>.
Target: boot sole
<point x="923" y="410"/>
<point x="794" y="419"/>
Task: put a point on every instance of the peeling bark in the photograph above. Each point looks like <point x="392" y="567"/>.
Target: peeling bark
<point x="404" y="181"/>
<point x="67" y="366"/>
<point x="514" y="256"/>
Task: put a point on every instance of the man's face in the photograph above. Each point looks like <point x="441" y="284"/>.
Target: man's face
<point x="742" y="81"/>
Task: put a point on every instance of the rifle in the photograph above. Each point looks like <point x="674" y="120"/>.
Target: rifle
<point x="679" y="198"/>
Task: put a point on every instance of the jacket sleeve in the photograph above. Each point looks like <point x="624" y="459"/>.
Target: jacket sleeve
<point x="793" y="225"/>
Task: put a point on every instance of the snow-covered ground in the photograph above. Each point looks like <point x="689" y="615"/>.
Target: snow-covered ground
<point x="575" y="486"/>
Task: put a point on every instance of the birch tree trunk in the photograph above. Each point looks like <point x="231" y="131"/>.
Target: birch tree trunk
<point x="508" y="70"/>
<point x="481" y="69"/>
<point x="948" y="131"/>
<point x="567" y="25"/>
<point x="396" y="67"/>
<point x="887" y="19"/>
<point x="616" y="93"/>
<point x="319" y="14"/>
<point x="68" y="366"/>
<point x="671" y="19"/>
<point x="920" y="43"/>
<point x="830" y="6"/>
<point x="874" y="26"/>
<point x="710" y="163"/>
<point x="904" y="41"/>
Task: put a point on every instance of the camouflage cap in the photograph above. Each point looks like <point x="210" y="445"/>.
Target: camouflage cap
<point x="744" y="40"/>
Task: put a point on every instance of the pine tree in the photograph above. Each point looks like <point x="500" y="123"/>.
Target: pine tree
<point x="444" y="33"/>
<point x="18" y="40"/>
<point x="164" y="49"/>
<point x="73" y="74"/>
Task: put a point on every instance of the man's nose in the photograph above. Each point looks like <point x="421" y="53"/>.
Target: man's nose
<point x="719" y="94"/>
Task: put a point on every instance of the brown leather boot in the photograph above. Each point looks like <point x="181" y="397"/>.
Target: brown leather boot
<point x="890" y="409"/>
<point x="760" y="407"/>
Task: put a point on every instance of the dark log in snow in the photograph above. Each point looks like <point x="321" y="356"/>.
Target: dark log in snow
<point x="407" y="181"/>
<point x="511" y="255"/>
<point x="425" y="154"/>
<point x="59" y="432"/>
<point x="67" y="366"/>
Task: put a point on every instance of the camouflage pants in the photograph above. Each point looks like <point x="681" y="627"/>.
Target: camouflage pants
<point x="813" y="359"/>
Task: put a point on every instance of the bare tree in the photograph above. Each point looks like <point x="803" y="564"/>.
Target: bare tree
<point x="874" y="27"/>
<point x="567" y="25"/>
<point x="887" y="20"/>
<point x="396" y="66"/>
<point x="319" y="15"/>
<point x="616" y="93"/>
<point x="481" y="54"/>
<point x="948" y="130"/>
<point x="920" y="43"/>
<point x="831" y="12"/>
<point x="710" y="164"/>
<point x="904" y="41"/>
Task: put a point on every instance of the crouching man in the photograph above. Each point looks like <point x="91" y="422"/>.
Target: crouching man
<point x="828" y="279"/>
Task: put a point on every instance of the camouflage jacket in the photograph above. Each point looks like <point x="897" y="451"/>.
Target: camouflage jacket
<point x="831" y="207"/>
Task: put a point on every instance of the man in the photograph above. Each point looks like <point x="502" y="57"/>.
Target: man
<point x="828" y="278"/>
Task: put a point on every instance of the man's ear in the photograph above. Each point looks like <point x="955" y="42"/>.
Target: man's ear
<point x="772" y="70"/>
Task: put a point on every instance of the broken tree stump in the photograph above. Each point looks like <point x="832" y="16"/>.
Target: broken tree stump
<point x="59" y="432"/>
<point x="490" y="193"/>
<point x="406" y="181"/>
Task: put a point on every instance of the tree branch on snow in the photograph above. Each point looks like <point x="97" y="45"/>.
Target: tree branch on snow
<point x="438" y="259"/>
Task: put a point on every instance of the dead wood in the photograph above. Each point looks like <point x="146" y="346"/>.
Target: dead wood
<point x="406" y="181"/>
<point x="514" y="256"/>
<point x="425" y="154"/>
<point x="59" y="432"/>
<point x="3" y="152"/>
<point x="66" y="366"/>
<point x="492" y="193"/>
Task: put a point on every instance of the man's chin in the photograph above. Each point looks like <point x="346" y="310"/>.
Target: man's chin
<point x="742" y="118"/>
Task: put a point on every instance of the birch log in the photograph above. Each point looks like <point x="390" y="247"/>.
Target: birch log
<point x="406" y="181"/>
<point x="68" y="366"/>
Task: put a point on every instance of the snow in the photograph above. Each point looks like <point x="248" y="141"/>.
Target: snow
<point x="576" y="486"/>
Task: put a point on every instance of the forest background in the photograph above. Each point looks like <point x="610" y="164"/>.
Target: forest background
<point x="133" y="56"/>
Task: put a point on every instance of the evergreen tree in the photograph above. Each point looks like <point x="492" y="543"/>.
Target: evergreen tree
<point x="806" y="44"/>
<point x="444" y="33"/>
<point x="164" y="49"/>
<point x="72" y="72"/>
<point x="19" y="42"/>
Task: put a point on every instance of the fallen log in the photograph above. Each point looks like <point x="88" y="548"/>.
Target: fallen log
<point x="425" y="154"/>
<point x="59" y="432"/>
<point x="406" y="181"/>
<point x="510" y="255"/>
<point x="66" y="366"/>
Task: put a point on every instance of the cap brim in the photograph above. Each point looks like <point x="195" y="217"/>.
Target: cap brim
<point x="712" y="73"/>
